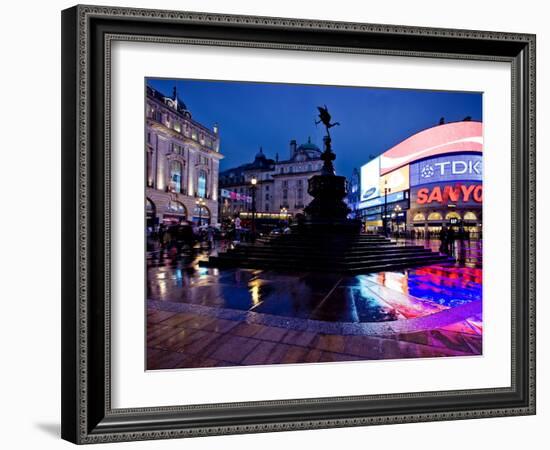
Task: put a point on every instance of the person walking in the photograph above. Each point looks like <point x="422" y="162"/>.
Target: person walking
<point x="450" y="241"/>
<point x="238" y="229"/>
<point x="443" y="237"/>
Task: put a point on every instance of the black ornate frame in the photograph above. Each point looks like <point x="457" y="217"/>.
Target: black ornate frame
<point x="87" y="34"/>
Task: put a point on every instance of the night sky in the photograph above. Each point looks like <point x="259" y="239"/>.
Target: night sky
<point x="372" y="120"/>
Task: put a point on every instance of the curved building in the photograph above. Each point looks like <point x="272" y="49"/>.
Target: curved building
<point x="431" y="179"/>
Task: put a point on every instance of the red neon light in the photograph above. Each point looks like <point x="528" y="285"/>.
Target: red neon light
<point x="447" y="138"/>
<point x="455" y="193"/>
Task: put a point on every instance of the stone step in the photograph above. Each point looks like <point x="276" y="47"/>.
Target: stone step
<point x="326" y="252"/>
<point x="313" y="238"/>
<point x="301" y="259"/>
<point x="245" y="252"/>
<point x="379" y="264"/>
<point x="329" y="248"/>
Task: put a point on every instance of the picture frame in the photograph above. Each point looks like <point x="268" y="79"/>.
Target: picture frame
<point x="87" y="35"/>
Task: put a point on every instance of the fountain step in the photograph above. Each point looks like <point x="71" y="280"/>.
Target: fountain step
<point x="247" y="252"/>
<point x="305" y="264"/>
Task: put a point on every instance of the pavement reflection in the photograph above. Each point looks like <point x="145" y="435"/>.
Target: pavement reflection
<point x="376" y="297"/>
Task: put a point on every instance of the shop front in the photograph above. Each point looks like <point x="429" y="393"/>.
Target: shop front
<point x="390" y="210"/>
<point x="175" y="213"/>
<point x="456" y="206"/>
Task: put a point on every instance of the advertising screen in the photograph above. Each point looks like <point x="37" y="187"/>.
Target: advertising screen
<point x="370" y="175"/>
<point x="466" y="167"/>
<point x="443" y="194"/>
<point x="456" y="137"/>
<point x="395" y="181"/>
<point x="393" y="197"/>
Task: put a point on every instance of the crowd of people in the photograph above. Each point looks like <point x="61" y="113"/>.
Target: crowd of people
<point x="174" y="239"/>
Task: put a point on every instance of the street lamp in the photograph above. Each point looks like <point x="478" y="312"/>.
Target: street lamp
<point x="385" y="221"/>
<point x="253" y="182"/>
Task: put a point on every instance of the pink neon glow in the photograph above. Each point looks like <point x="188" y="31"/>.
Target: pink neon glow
<point x="449" y="138"/>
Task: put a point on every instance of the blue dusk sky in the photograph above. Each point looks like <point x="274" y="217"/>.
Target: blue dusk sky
<point x="269" y="115"/>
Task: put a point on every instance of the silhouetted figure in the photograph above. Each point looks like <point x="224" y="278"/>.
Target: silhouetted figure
<point x="444" y="238"/>
<point x="324" y="117"/>
<point x="450" y="241"/>
<point x="442" y="121"/>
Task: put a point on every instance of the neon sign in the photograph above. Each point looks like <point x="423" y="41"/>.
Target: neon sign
<point x="445" y="194"/>
<point x="465" y="167"/>
<point x="456" y="137"/>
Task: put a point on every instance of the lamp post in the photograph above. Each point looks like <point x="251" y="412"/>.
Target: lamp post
<point x="385" y="221"/>
<point x="253" y="182"/>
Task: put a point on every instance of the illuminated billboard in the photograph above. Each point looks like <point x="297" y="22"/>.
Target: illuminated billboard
<point x="456" y="137"/>
<point x="393" y="197"/>
<point x="442" y="194"/>
<point x="395" y="181"/>
<point x="370" y="175"/>
<point x="447" y="168"/>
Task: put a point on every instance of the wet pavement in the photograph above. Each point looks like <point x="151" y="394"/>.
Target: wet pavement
<point x="423" y="312"/>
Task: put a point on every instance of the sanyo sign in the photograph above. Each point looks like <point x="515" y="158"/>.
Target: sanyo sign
<point x="447" y="168"/>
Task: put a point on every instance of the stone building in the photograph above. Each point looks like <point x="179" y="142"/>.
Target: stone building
<point x="182" y="163"/>
<point x="281" y="188"/>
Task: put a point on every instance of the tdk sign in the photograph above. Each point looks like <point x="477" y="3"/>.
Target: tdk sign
<point x="447" y="168"/>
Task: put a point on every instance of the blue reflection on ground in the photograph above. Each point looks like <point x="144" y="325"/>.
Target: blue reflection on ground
<point x="376" y="297"/>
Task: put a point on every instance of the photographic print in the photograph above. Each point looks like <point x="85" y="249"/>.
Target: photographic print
<point x="293" y="223"/>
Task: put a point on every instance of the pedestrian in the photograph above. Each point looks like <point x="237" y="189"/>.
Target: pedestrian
<point x="450" y="240"/>
<point x="444" y="244"/>
<point x="237" y="224"/>
<point x="210" y="237"/>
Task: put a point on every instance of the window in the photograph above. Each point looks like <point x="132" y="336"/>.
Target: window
<point x="452" y="215"/>
<point x="176" y="170"/>
<point x="177" y="149"/>
<point x="201" y="215"/>
<point x="435" y="216"/>
<point x="150" y="175"/>
<point x="309" y="168"/>
<point x="299" y="182"/>
<point x="201" y="184"/>
<point x="177" y="127"/>
<point x="285" y="183"/>
<point x="266" y="196"/>
<point x="267" y="188"/>
<point x="285" y="194"/>
<point x="266" y="207"/>
<point x="177" y="208"/>
<point x="148" y="138"/>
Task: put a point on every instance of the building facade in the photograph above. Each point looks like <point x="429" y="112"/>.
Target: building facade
<point x="182" y="159"/>
<point x="432" y="179"/>
<point x="281" y="187"/>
